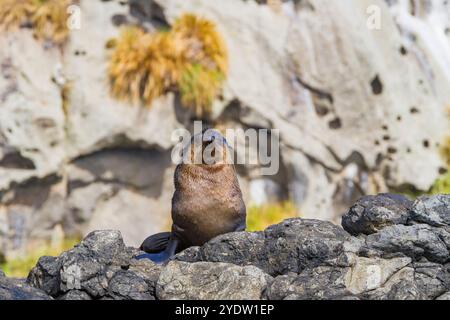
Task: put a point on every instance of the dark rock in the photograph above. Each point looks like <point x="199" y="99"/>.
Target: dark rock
<point x="397" y="255"/>
<point x="100" y="266"/>
<point x="370" y="214"/>
<point x="291" y="246"/>
<point x="414" y="241"/>
<point x="432" y="210"/>
<point x="432" y="279"/>
<point x="75" y="295"/>
<point x="46" y="275"/>
<point x="316" y="283"/>
<point x="401" y="286"/>
<point x="18" y="289"/>
<point x="129" y="286"/>
<point x="296" y="244"/>
<point x="240" y="248"/>
<point x="208" y="280"/>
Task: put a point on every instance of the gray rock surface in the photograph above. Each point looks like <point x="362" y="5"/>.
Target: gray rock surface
<point x="445" y="296"/>
<point x="18" y="289"/>
<point x="371" y="213"/>
<point x="99" y="267"/>
<point x="434" y="210"/>
<point x="414" y="241"/>
<point x="207" y="280"/>
<point x="290" y="246"/>
<point x="295" y="259"/>
<point x="341" y="101"/>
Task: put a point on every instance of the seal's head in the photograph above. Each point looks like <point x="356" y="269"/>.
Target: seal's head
<point x="208" y="148"/>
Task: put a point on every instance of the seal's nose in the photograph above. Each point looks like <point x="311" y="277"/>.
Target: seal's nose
<point x="214" y="137"/>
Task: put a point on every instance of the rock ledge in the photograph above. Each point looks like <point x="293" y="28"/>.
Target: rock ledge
<point x="389" y="248"/>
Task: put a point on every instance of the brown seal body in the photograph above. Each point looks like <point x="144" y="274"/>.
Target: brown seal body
<point x="207" y="201"/>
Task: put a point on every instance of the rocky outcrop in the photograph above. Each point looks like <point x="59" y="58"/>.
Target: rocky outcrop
<point x="18" y="289"/>
<point x="343" y="102"/>
<point x="389" y="258"/>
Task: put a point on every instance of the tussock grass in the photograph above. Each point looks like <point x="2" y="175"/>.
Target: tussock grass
<point x="48" y="18"/>
<point x="201" y="42"/>
<point x="199" y="86"/>
<point x="191" y="58"/>
<point x="143" y="66"/>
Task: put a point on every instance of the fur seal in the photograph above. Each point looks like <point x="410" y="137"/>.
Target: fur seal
<point x="207" y="200"/>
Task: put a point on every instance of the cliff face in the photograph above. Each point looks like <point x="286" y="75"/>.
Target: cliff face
<point x="360" y="109"/>
<point x="391" y="248"/>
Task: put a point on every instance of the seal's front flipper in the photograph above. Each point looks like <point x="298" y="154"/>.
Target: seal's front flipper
<point x="241" y="226"/>
<point x="155" y="257"/>
<point x="163" y="256"/>
<point x="156" y="243"/>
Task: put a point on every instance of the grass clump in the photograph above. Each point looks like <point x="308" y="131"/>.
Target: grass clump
<point x="191" y="57"/>
<point x="20" y="267"/>
<point x="199" y="86"/>
<point x="15" y="13"/>
<point x="441" y="185"/>
<point x="48" y="18"/>
<point x="143" y="66"/>
<point x="260" y="217"/>
<point x="201" y="42"/>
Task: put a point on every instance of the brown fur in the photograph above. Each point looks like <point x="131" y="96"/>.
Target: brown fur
<point x="207" y="202"/>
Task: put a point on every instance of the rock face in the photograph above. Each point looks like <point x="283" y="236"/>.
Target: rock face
<point x="372" y="213"/>
<point x="69" y="152"/>
<point x="296" y="259"/>
<point x="17" y="289"/>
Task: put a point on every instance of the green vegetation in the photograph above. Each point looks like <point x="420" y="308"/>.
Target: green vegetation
<point x="260" y="217"/>
<point x="191" y="58"/>
<point x="20" y="267"/>
<point x="199" y="86"/>
<point x="442" y="185"/>
<point x="143" y="66"/>
<point x="48" y="18"/>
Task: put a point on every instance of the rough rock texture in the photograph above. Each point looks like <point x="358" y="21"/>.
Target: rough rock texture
<point x="342" y="94"/>
<point x="371" y="213"/>
<point x="207" y="280"/>
<point x="296" y="259"/>
<point x="432" y="210"/>
<point x="98" y="268"/>
<point x="18" y="289"/>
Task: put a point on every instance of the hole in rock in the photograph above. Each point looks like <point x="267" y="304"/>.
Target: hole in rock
<point x="377" y="86"/>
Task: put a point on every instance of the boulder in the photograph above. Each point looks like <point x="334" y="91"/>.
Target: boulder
<point x="295" y="259"/>
<point x="291" y="246"/>
<point x="18" y="289"/>
<point x="433" y="210"/>
<point x="372" y="213"/>
<point x="99" y="267"/>
<point x="207" y="280"/>
<point x="416" y="241"/>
